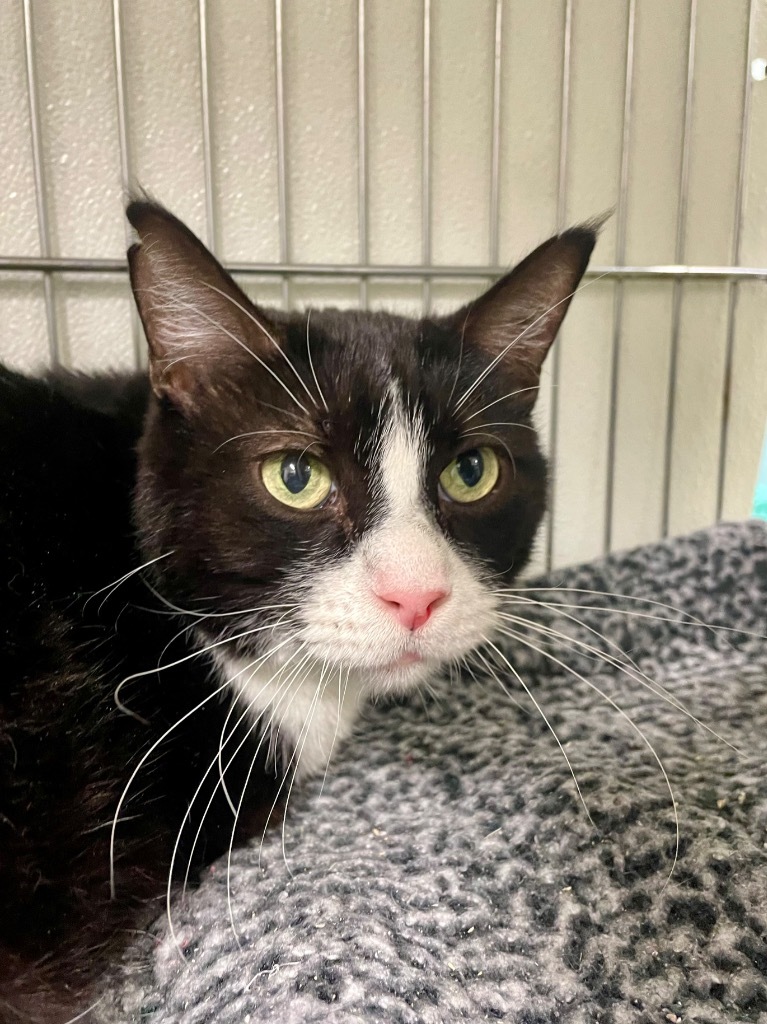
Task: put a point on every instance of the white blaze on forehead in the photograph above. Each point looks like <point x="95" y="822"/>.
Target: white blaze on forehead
<point x="403" y="456"/>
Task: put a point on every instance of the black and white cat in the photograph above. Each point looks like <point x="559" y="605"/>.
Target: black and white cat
<point x="205" y="571"/>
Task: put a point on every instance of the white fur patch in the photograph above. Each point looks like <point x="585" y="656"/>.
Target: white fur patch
<point x="348" y="629"/>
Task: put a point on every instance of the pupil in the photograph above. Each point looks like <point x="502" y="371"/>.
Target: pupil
<point x="471" y="466"/>
<point x="295" y="472"/>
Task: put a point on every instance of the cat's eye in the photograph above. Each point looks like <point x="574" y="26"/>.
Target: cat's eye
<point x="299" y="480"/>
<point x="470" y="476"/>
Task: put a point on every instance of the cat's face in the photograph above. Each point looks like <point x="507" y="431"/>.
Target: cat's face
<point x="343" y="491"/>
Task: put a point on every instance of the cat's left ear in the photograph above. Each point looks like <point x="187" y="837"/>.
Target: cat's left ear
<point x="517" y="320"/>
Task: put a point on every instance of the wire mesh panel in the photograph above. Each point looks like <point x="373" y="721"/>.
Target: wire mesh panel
<point x="392" y="154"/>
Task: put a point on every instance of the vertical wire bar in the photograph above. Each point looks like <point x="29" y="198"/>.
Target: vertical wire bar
<point x="495" y="154"/>
<point x="733" y="291"/>
<point x="556" y="368"/>
<point x="426" y="155"/>
<point x="125" y="157"/>
<point x="282" y="187"/>
<point x="620" y="259"/>
<point x="679" y="256"/>
<point x="362" y="151"/>
<point x="43" y="226"/>
<point x="207" y="154"/>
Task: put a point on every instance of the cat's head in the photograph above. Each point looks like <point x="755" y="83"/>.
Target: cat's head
<point x="347" y="489"/>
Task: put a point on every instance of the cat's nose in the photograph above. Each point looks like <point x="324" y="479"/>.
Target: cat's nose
<point x="412" y="607"/>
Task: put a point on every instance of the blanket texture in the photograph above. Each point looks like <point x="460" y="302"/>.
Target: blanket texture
<point x="447" y="870"/>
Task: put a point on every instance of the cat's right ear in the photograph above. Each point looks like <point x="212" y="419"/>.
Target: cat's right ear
<point x="195" y="317"/>
<point x="515" y="322"/>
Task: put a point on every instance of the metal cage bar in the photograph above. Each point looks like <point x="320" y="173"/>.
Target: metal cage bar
<point x="732" y="297"/>
<point x="404" y="271"/>
<point x="282" y="183"/>
<point x="426" y="156"/>
<point x="679" y="253"/>
<point x="495" y="145"/>
<point x="43" y="226"/>
<point x="562" y="165"/>
<point x="620" y="256"/>
<point x="207" y="154"/>
<point x="125" y="153"/>
<point x="362" y="149"/>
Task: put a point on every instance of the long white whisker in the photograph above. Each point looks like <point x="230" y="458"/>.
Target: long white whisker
<point x="515" y="635"/>
<point x="238" y="341"/>
<point x="489" y="669"/>
<point x="111" y="587"/>
<point x="253" y="433"/>
<point x="632" y="670"/>
<point x="311" y="361"/>
<point x="687" y="617"/>
<point x="164" y="736"/>
<point x="266" y="333"/>
<point x="280" y="669"/>
<point x="219" y="615"/>
<point x="511" y="394"/>
<point x="498" y="423"/>
<point x="341" y="699"/>
<point x="491" y="366"/>
<point x="542" y="713"/>
<point x="267" y="728"/>
<point x="251" y="666"/>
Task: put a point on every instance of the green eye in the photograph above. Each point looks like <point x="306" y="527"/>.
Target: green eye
<point x="300" y="481"/>
<point x="471" y="475"/>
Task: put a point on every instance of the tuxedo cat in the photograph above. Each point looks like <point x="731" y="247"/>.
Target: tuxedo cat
<point x="205" y="570"/>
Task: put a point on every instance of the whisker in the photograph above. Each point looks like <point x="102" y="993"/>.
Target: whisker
<point x="633" y="671"/>
<point x="266" y="333"/>
<point x="489" y="669"/>
<point x="284" y="690"/>
<point x="164" y="736"/>
<point x="238" y="341"/>
<point x="491" y="366"/>
<point x="687" y="617"/>
<point x="318" y="695"/>
<point x="341" y="699"/>
<point x="169" y="890"/>
<point x="497" y="423"/>
<point x="111" y="587"/>
<point x="311" y="362"/>
<point x="84" y="1013"/>
<point x="542" y="713"/>
<point x="511" y="394"/>
<point x="501" y="442"/>
<point x="514" y="635"/>
<point x="253" y="433"/>
<point x="220" y="615"/>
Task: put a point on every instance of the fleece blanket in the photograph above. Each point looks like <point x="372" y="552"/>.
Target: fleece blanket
<point x="448" y="870"/>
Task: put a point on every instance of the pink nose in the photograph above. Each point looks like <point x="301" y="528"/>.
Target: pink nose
<point x="412" y="608"/>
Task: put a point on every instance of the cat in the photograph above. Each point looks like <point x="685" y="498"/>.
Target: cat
<point x="209" y="567"/>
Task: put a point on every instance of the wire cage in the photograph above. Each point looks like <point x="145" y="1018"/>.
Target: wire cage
<point x="386" y="153"/>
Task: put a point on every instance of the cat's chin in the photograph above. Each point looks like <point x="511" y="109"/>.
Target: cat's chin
<point x="404" y="673"/>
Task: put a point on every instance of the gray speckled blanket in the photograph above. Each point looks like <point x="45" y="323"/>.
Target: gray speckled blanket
<point x="447" y="870"/>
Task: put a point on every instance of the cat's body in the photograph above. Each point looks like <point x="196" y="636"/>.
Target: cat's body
<point x="321" y="505"/>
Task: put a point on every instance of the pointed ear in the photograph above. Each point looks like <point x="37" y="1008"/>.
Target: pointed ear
<point x="195" y="317"/>
<point x="516" y="321"/>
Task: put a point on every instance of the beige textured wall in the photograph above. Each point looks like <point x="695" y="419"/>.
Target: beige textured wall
<point x="75" y="62"/>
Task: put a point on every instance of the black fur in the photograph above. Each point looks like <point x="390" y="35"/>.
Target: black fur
<point x="100" y="475"/>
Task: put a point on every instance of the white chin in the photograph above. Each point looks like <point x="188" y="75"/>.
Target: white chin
<point x="399" y="678"/>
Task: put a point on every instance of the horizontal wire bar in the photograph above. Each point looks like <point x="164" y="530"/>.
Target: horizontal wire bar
<point x="72" y="265"/>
